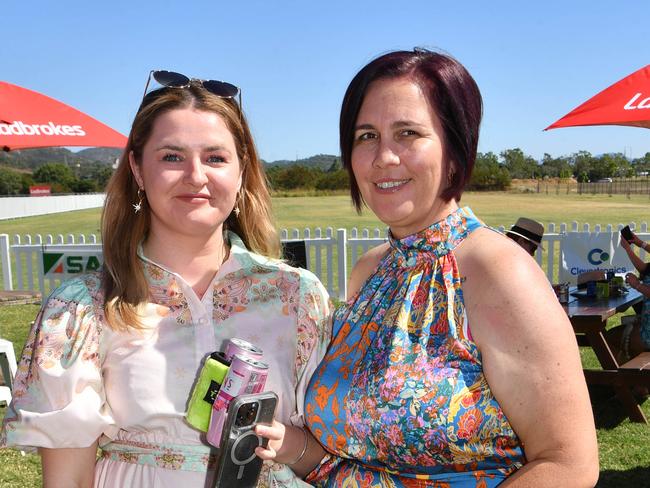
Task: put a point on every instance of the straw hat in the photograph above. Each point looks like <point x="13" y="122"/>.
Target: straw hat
<point x="529" y="229"/>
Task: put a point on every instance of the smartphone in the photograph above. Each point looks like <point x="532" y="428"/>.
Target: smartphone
<point x="627" y="233"/>
<point x="238" y="465"/>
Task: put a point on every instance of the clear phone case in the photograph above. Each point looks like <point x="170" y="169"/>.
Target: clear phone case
<point x="238" y="466"/>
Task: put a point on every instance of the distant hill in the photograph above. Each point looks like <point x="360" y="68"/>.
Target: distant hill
<point x="102" y="154"/>
<point x="34" y="158"/>
<point x="322" y="161"/>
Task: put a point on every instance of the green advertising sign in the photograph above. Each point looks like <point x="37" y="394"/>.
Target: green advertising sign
<point x="59" y="264"/>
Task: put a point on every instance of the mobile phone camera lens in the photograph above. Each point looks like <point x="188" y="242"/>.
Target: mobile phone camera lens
<point x="252" y="413"/>
<point x="247" y="414"/>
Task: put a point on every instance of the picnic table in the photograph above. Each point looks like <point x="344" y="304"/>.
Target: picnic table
<point x="589" y="317"/>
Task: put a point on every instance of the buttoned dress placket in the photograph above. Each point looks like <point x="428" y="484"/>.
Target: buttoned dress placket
<point x="200" y="312"/>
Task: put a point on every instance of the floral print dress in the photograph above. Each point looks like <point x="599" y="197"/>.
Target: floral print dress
<point x="78" y="380"/>
<point x="400" y="399"/>
<point x="645" y="312"/>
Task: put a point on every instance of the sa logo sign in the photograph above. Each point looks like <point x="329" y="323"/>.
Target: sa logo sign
<point x="60" y="263"/>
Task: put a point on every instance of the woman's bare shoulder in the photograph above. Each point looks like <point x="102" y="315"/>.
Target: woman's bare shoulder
<point x="365" y="266"/>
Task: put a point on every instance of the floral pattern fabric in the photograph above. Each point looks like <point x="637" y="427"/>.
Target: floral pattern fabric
<point x="645" y="315"/>
<point x="79" y="380"/>
<point x="400" y="399"/>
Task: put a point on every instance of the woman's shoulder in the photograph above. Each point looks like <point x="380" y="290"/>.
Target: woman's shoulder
<point x="490" y="258"/>
<point x="486" y="249"/>
<point x="77" y="299"/>
<point x="365" y="266"/>
<point x="83" y="289"/>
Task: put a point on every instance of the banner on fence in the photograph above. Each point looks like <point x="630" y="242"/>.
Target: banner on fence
<point x="63" y="264"/>
<point x="588" y="252"/>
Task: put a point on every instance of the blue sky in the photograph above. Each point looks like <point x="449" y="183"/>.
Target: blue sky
<point x="534" y="61"/>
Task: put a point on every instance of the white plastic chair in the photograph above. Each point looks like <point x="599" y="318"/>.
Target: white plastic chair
<point x="8" y="367"/>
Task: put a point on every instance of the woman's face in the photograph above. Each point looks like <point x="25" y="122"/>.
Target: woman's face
<point x="190" y="173"/>
<point x="398" y="157"/>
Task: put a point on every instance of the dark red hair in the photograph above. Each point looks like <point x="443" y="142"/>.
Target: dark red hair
<point x="451" y="92"/>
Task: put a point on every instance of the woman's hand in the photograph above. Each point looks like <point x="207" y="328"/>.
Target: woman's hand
<point x="275" y="434"/>
<point x="290" y="445"/>
<point x="625" y="244"/>
<point x="632" y="280"/>
<point x="636" y="241"/>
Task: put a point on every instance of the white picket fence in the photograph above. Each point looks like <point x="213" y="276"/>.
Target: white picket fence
<point x="26" y="206"/>
<point x="330" y="254"/>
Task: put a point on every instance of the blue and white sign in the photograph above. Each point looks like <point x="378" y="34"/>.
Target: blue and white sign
<point x="589" y="252"/>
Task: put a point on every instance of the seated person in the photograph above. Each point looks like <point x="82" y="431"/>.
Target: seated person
<point x="527" y="233"/>
<point x="633" y="337"/>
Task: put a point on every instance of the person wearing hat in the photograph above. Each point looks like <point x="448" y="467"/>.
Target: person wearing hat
<point x="527" y="233"/>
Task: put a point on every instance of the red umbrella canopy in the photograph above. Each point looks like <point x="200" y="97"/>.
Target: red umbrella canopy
<point x="626" y="102"/>
<point x="29" y="119"/>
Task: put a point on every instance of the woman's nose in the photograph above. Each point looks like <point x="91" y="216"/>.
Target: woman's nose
<point x="195" y="172"/>
<point x="385" y="156"/>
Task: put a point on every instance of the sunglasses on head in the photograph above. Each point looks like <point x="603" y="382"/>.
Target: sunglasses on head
<point x="171" y="79"/>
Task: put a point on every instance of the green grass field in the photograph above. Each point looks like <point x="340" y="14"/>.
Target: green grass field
<point x="624" y="446"/>
<point x="495" y="209"/>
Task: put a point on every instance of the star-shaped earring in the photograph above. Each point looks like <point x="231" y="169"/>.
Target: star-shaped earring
<point x="138" y="205"/>
<point x="236" y="210"/>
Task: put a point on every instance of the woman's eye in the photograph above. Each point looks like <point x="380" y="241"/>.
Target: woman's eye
<point x="216" y="159"/>
<point x="172" y="158"/>
<point x="366" y="136"/>
<point x="408" y="132"/>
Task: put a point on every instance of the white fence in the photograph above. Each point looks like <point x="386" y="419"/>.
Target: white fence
<point x="25" y="206"/>
<point x="330" y="254"/>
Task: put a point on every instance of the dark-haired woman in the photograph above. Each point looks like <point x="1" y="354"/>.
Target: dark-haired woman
<point x="452" y="363"/>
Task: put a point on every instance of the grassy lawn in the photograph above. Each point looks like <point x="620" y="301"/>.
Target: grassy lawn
<point x="336" y="211"/>
<point x="624" y="446"/>
<point x="300" y="212"/>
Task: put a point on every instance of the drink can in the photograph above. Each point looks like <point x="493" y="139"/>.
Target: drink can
<point x="563" y="294"/>
<point x="591" y="288"/>
<point x="602" y="290"/>
<point x="243" y="348"/>
<point x="213" y="372"/>
<point x="246" y="375"/>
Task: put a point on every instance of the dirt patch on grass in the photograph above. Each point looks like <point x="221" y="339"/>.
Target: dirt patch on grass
<point x="549" y="185"/>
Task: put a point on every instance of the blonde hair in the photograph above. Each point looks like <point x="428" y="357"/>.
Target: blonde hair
<point x="124" y="282"/>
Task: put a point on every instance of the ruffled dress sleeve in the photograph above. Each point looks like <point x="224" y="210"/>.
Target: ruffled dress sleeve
<point x="58" y="397"/>
<point x="314" y="334"/>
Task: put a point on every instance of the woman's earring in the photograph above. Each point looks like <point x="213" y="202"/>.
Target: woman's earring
<point x="450" y="178"/>
<point x="138" y="206"/>
<point x="236" y="210"/>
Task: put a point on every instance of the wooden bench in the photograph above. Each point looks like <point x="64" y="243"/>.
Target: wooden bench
<point x="639" y="363"/>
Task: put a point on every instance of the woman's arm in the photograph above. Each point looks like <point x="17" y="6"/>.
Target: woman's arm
<point x="637" y="284"/>
<point x="636" y="260"/>
<point x="68" y="468"/>
<point x="531" y="362"/>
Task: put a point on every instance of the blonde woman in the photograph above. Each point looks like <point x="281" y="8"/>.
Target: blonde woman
<point x="188" y="248"/>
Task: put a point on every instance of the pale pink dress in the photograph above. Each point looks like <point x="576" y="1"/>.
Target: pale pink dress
<point x="78" y="380"/>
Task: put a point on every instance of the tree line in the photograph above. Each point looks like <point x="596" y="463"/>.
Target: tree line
<point x="62" y="178"/>
<point x="491" y="172"/>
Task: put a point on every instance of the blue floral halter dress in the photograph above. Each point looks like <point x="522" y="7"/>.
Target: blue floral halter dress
<point x="400" y="399"/>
